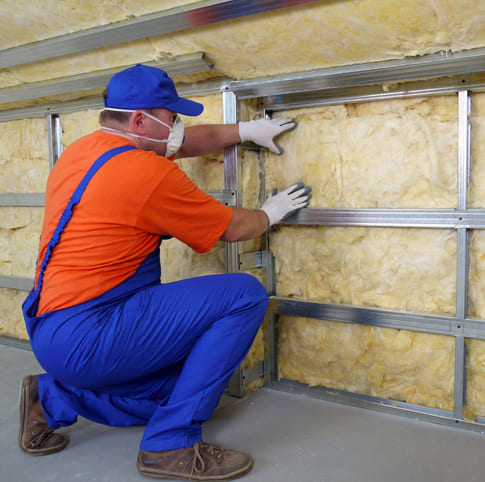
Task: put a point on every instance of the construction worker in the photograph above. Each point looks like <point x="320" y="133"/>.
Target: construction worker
<point x="118" y="347"/>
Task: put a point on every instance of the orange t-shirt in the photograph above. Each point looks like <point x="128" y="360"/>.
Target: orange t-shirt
<point x="130" y="202"/>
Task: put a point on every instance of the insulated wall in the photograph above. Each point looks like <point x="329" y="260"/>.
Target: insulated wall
<point x="399" y="154"/>
<point x="24" y="167"/>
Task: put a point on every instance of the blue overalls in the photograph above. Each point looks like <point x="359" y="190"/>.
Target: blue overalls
<point x="144" y="353"/>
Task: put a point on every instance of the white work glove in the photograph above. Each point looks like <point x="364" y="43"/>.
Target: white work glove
<point x="280" y="206"/>
<point x="263" y="131"/>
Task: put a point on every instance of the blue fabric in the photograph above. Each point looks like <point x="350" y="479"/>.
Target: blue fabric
<point x="145" y="353"/>
<point x="161" y="357"/>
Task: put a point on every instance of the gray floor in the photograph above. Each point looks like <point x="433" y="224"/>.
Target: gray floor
<point x="292" y="438"/>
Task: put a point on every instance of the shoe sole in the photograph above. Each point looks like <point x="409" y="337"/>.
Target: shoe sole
<point x="24" y="399"/>
<point x="171" y="475"/>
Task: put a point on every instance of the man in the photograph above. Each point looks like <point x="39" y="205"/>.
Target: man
<point x="118" y="347"/>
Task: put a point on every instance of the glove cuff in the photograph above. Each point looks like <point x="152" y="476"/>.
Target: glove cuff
<point x="243" y="131"/>
<point x="272" y="218"/>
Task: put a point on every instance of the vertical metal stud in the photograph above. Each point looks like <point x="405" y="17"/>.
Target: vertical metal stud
<point x="232" y="177"/>
<point x="464" y="107"/>
<point x="54" y="138"/>
<point x="270" y="366"/>
<point x="462" y="262"/>
<point x="232" y="180"/>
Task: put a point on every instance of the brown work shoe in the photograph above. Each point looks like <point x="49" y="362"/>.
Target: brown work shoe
<point x="203" y="461"/>
<point x="36" y="437"/>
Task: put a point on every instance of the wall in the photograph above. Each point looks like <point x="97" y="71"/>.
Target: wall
<point x="384" y="154"/>
<point x="391" y="154"/>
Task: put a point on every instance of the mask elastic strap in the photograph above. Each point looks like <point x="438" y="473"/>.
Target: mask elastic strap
<point x="116" y="109"/>
<point x="134" y="135"/>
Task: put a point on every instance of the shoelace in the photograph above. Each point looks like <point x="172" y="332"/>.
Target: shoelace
<point x="38" y="439"/>
<point x="210" y="449"/>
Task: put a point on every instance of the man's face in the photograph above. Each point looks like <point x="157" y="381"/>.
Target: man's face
<point x="156" y="130"/>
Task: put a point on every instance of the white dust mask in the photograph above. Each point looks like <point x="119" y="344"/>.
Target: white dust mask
<point x="174" y="140"/>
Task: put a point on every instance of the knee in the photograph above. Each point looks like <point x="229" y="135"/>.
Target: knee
<point x="254" y="291"/>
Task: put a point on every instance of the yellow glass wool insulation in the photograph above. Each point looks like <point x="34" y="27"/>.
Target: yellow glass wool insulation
<point x="350" y="32"/>
<point x="78" y="124"/>
<point x="476" y="284"/>
<point x="416" y="368"/>
<point x="475" y="373"/>
<point x="476" y="188"/>
<point x="11" y="318"/>
<point x="390" y="154"/>
<point x="475" y="393"/>
<point x="24" y="167"/>
<point x="404" y="269"/>
<point x="47" y="19"/>
<point x="20" y="229"/>
<point x="24" y="155"/>
<point x="476" y="193"/>
<point x="181" y="262"/>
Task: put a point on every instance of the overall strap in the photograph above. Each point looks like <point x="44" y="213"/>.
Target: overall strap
<point x="75" y="198"/>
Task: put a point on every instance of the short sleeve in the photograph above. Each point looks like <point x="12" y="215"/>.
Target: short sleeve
<point x="178" y="208"/>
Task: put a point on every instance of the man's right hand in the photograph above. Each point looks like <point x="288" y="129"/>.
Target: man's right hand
<point x="279" y="206"/>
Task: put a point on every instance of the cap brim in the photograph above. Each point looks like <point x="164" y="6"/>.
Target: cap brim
<point x="185" y="107"/>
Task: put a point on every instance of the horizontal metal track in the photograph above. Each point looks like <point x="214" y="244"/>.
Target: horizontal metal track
<point x="91" y="102"/>
<point x="96" y="102"/>
<point x="38" y="199"/>
<point x="425" y="218"/>
<point x="357" y="75"/>
<point x="183" y="64"/>
<point x="367" y="93"/>
<point x="323" y="86"/>
<point x="474" y="328"/>
<point x="254" y="373"/>
<point x="170" y="20"/>
<point x="415" y="412"/>
<point x="226" y="197"/>
<point x="22" y="199"/>
<point x="402" y="320"/>
<point x="250" y="260"/>
<point x="446" y="325"/>
<point x="16" y="283"/>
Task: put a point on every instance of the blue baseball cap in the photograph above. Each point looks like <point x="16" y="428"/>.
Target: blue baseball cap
<point x="144" y="87"/>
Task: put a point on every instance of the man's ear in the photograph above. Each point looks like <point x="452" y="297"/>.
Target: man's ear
<point x="137" y="122"/>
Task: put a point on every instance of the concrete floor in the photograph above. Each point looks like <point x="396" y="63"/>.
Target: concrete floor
<point x="292" y="438"/>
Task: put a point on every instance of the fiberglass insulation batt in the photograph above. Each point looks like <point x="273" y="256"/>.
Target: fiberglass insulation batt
<point x="385" y="154"/>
